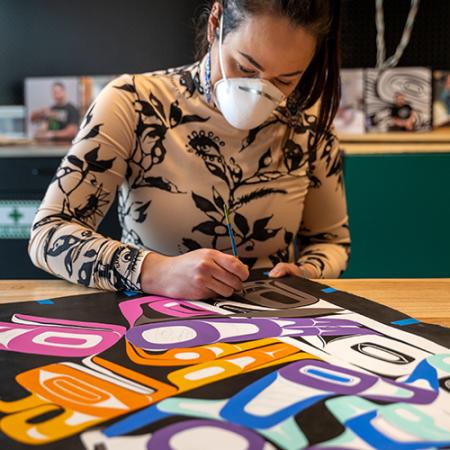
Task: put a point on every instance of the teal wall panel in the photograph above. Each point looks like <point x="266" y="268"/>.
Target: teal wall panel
<point x="399" y="208"/>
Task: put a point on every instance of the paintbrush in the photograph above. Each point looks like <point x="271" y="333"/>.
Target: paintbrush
<point x="230" y="231"/>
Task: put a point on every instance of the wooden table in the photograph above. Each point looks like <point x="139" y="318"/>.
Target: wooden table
<point x="425" y="299"/>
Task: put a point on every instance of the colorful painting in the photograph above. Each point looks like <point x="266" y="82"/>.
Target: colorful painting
<point x="284" y="364"/>
<point x="398" y="99"/>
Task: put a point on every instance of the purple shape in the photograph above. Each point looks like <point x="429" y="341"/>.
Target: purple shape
<point x="207" y="333"/>
<point x="327" y="327"/>
<point x="204" y="334"/>
<point x="161" y="439"/>
<point x="357" y="381"/>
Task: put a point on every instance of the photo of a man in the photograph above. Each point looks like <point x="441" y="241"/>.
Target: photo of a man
<point x="403" y="116"/>
<point x="60" y="120"/>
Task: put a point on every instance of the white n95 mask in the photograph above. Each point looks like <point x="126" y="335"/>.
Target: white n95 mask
<point x="244" y="102"/>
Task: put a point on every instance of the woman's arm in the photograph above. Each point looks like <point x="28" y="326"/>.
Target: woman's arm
<point x="63" y="238"/>
<point x="324" y="237"/>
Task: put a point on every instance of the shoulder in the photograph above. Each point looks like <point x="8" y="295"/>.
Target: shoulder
<point x="304" y="123"/>
<point x="182" y="80"/>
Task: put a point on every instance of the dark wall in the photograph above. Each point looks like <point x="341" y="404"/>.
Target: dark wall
<point x="90" y="37"/>
<point x="95" y="37"/>
<point x="429" y="45"/>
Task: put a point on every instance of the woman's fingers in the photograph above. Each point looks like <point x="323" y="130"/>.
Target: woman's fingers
<point x="196" y="275"/>
<point x="232" y="265"/>
<point x="285" y="269"/>
<point x="218" y="274"/>
<point x="227" y="278"/>
<point x="219" y="288"/>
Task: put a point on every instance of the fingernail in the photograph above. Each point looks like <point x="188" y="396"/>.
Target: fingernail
<point x="274" y="273"/>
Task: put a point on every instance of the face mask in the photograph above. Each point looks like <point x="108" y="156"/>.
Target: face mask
<point x="244" y="102"/>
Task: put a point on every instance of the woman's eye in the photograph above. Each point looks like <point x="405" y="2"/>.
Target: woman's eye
<point x="284" y="83"/>
<point x="245" y="70"/>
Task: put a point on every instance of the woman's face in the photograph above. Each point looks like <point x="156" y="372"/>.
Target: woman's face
<point x="263" y="46"/>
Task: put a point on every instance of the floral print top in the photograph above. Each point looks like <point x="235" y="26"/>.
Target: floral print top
<point x="169" y="155"/>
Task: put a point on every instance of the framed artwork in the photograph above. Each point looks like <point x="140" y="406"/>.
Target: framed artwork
<point x="53" y="104"/>
<point x="398" y="99"/>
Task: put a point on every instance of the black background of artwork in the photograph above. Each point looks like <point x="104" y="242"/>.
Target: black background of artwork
<point x="102" y="37"/>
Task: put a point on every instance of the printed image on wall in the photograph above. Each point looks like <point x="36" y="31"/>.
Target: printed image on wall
<point x="398" y="99"/>
<point x="350" y="115"/>
<point x="441" y="99"/>
<point x="286" y="364"/>
<point x="53" y="108"/>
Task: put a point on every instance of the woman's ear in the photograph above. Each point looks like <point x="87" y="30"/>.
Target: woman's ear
<point x="213" y="22"/>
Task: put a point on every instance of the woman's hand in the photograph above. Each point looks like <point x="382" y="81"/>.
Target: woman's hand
<point x="196" y="275"/>
<point x="286" y="269"/>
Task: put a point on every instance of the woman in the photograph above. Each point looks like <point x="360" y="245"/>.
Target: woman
<point x="236" y="128"/>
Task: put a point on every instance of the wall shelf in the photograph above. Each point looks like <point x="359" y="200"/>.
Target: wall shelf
<point x="437" y="141"/>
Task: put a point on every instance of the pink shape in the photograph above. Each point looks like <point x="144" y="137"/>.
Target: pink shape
<point x="72" y="339"/>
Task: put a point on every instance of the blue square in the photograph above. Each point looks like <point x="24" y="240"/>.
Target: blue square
<point x="329" y="290"/>
<point x="130" y="293"/>
<point x="405" y="322"/>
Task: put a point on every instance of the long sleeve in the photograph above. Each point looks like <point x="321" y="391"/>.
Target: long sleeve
<point x="324" y="235"/>
<point x="63" y="237"/>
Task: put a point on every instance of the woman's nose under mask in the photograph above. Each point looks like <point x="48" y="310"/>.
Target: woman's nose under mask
<point x="244" y="102"/>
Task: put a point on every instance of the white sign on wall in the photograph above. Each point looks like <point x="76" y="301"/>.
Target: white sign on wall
<point x="16" y="217"/>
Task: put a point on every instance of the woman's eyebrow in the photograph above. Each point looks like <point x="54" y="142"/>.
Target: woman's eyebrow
<point x="252" y="61"/>
<point x="297" y="72"/>
<point x="259" y="67"/>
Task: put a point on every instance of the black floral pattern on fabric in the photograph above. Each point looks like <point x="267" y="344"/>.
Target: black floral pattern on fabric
<point x="208" y="147"/>
<point x="157" y="117"/>
<point x="153" y="124"/>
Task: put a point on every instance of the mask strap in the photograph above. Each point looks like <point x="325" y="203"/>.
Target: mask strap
<point x="222" y="68"/>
